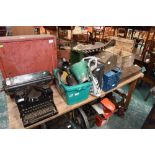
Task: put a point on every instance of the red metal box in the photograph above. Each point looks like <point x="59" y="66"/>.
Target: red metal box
<point x="27" y="54"/>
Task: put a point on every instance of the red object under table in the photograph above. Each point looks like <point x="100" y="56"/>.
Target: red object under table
<point x="109" y="108"/>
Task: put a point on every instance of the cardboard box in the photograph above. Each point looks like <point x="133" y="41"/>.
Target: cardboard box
<point x="124" y="58"/>
<point x="124" y="44"/>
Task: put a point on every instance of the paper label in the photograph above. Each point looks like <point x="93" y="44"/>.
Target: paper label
<point x="50" y="41"/>
<point x="76" y="94"/>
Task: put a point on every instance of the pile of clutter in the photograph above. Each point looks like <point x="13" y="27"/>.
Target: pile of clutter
<point x="92" y="115"/>
<point x="88" y="76"/>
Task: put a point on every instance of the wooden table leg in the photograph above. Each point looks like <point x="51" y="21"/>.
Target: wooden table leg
<point x="131" y="89"/>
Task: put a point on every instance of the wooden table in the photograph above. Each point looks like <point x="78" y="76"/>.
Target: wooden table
<point x="16" y="122"/>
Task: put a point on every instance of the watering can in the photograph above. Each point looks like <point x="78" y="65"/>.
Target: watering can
<point x="80" y="71"/>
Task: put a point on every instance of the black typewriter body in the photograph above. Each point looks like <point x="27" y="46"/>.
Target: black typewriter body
<point x="19" y="83"/>
<point x="33" y="96"/>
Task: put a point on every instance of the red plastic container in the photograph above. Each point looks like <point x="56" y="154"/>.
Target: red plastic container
<point x="27" y="54"/>
<point x="100" y="121"/>
<point x="109" y="108"/>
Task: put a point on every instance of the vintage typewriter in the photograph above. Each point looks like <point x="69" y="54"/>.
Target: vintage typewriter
<point x="33" y="96"/>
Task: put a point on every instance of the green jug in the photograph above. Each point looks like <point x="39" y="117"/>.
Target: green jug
<point x="80" y="71"/>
